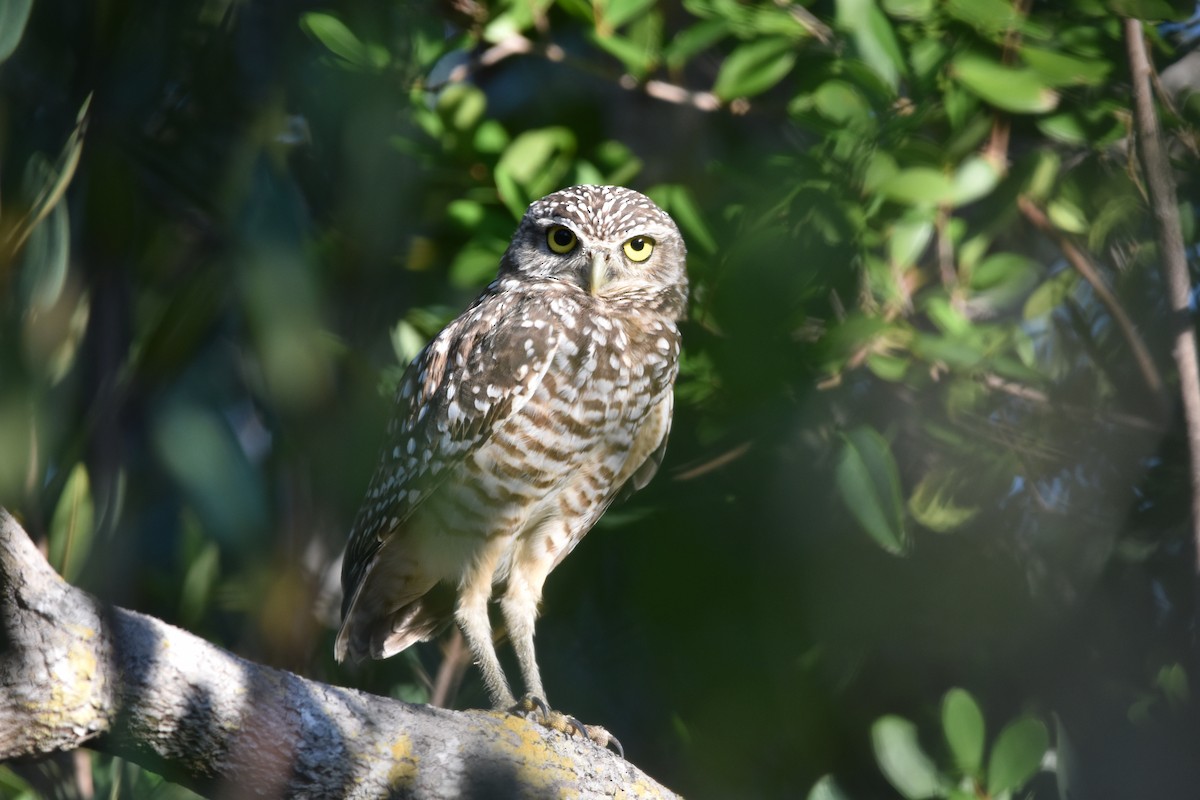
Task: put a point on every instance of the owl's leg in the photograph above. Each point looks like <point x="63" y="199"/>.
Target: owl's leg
<point x="519" y="606"/>
<point x="471" y="614"/>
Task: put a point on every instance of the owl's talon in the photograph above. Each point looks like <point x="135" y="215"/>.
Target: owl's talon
<point x="529" y="704"/>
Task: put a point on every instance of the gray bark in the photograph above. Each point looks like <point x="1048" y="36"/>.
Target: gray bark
<point x="75" y="672"/>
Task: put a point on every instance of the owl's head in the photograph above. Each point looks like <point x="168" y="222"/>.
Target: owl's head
<point x="609" y="241"/>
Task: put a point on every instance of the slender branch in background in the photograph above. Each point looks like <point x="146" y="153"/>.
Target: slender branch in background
<point x="456" y="657"/>
<point x="1161" y="186"/>
<point x="945" y="253"/>
<point x="1084" y="266"/>
<point x="516" y="44"/>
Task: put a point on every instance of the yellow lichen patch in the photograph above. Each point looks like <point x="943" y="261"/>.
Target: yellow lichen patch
<point x="403" y="771"/>
<point x="636" y="789"/>
<point x="71" y="687"/>
<point x="541" y="769"/>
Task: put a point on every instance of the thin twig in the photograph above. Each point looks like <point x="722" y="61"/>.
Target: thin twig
<point x="455" y="660"/>
<point x="517" y="44"/>
<point x="1080" y="262"/>
<point x="1161" y="185"/>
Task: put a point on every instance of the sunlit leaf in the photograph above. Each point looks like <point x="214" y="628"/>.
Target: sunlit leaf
<point x="44" y="259"/>
<point x="841" y="102"/>
<point x="342" y="42"/>
<point x="198" y="582"/>
<point x="1017" y="90"/>
<point x="869" y="483"/>
<point x="962" y="723"/>
<point x="13" y="16"/>
<point x="694" y="40"/>
<point x="910" y="236"/>
<point x="1016" y="755"/>
<point x="873" y="37"/>
<point x="678" y="202"/>
<point x="974" y="178"/>
<point x="826" y="789"/>
<point x="754" y="67"/>
<point x="990" y="17"/>
<point x="908" y="9"/>
<point x="1173" y="681"/>
<point x="612" y="14"/>
<point x="901" y="759"/>
<point x="919" y="186"/>
<point x="462" y="106"/>
<point x="44" y="185"/>
<point x="1066" y="216"/>
<point x="73" y="525"/>
<point x="533" y="165"/>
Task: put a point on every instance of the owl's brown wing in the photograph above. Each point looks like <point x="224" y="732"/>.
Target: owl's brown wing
<point x="481" y="369"/>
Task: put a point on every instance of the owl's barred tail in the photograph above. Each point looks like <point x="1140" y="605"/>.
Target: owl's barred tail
<point x="369" y="634"/>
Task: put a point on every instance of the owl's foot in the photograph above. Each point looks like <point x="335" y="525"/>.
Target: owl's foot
<point x="558" y="721"/>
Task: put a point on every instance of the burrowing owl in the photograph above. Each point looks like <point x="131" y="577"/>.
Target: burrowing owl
<point x="516" y="427"/>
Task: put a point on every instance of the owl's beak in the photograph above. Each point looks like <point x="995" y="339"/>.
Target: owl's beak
<point x="599" y="275"/>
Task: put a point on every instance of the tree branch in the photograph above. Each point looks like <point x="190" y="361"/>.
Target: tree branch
<point x="75" y="672"/>
<point x="1161" y="186"/>
<point x="1087" y="270"/>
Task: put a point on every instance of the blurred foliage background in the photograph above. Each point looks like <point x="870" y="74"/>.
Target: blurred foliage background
<point x="923" y="527"/>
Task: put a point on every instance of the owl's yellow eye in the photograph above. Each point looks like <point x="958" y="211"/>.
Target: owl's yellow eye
<point x="561" y="240"/>
<point x="639" y="248"/>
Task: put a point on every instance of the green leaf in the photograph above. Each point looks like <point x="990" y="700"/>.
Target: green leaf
<point x="1066" y="216"/>
<point x="888" y="367"/>
<point x="841" y="102"/>
<point x="962" y="722"/>
<point x="44" y="185"/>
<point x="873" y="38"/>
<point x="476" y="263"/>
<point x="1150" y="10"/>
<point x="826" y="789"/>
<point x="1173" y="681"/>
<point x="198" y="583"/>
<point x="908" y="9"/>
<point x="923" y="186"/>
<point x="1017" y="755"/>
<point x="694" y="40"/>
<point x="1003" y="279"/>
<point x="533" y="165"/>
<point x="869" y="483"/>
<point x="13" y="16"/>
<point x="901" y="759"/>
<point x="754" y="67"/>
<point x="1051" y="294"/>
<point x="677" y="201"/>
<point x="612" y="14"/>
<point x="462" y="106"/>
<point x="42" y="274"/>
<point x="1018" y="90"/>
<point x="14" y="786"/>
<point x="1060" y="69"/>
<point x="909" y="237"/>
<point x="992" y="18"/>
<point x="974" y="178"/>
<point x="636" y="56"/>
<point x="341" y="41"/>
<point x="72" y="525"/>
